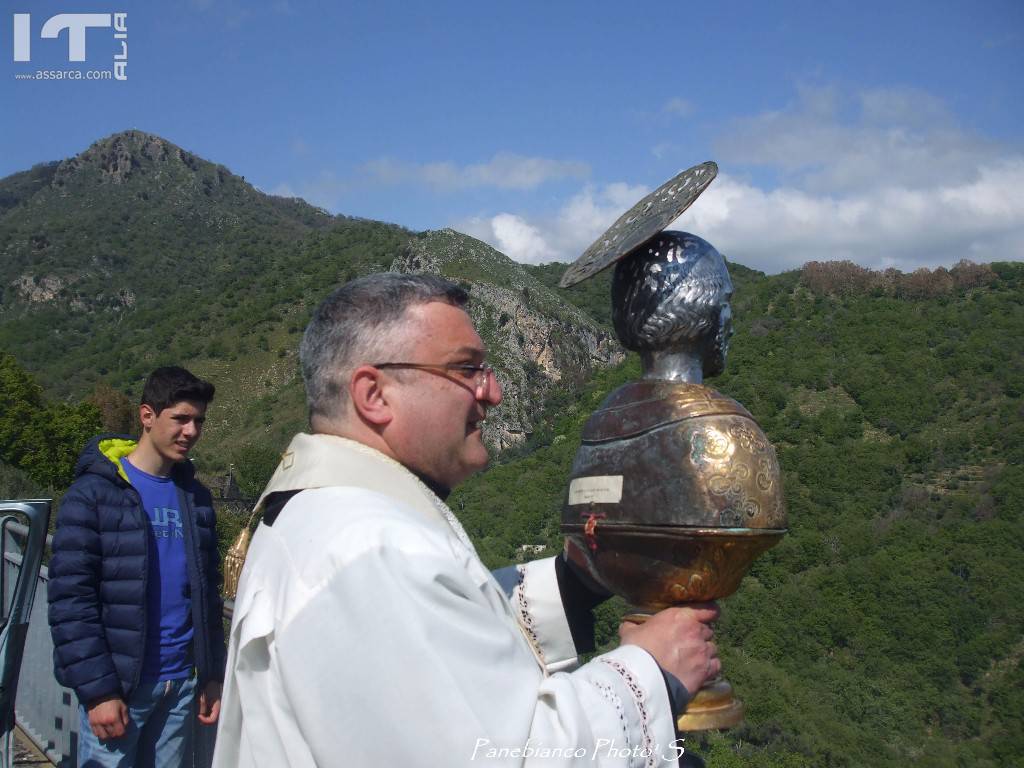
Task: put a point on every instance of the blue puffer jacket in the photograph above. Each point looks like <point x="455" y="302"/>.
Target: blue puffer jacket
<point x="98" y="573"/>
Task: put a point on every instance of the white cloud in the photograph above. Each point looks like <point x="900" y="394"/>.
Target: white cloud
<point x="559" y="237"/>
<point x="678" y="106"/>
<point x="883" y="177"/>
<point x="664" y="149"/>
<point x="519" y="240"/>
<point x="324" y="191"/>
<point x="1007" y="39"/>
<point x="891" y="225"/>
<point x="503" y="171"/>
<point x="829" y="142"/>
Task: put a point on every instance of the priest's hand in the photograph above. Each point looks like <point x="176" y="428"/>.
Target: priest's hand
<point x="679" y="639"/>
<point x="108" y="718"/>
<point x="209" y="703"/>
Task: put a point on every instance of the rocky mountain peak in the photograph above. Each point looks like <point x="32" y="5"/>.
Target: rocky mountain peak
<point x="122" y="156"/>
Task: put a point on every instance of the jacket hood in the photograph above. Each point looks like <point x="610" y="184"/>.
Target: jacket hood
<point x="102" y="455"/>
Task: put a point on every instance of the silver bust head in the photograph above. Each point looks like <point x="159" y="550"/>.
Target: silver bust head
<point x="670" y="303"/>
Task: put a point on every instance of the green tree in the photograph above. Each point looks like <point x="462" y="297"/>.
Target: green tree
<point x="41" y="439"/>
<point x="255" y="463"/>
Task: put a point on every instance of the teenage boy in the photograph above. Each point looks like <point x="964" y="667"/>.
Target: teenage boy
<point x="134" y="598"/>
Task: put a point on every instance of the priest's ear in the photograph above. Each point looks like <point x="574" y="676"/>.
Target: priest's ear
<point x="369" y="395"/>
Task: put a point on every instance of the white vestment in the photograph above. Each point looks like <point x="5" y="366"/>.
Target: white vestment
<point x="367" y="632"/>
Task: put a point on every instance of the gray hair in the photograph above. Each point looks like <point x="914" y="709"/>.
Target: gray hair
<point x="356" y="325"/>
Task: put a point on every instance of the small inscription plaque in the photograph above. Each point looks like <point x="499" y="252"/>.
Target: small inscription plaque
<point x="600" y="489"/>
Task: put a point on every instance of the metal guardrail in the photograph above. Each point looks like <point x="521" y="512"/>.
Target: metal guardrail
<point x="46" y="711"/>
<point x="18" y="595"/>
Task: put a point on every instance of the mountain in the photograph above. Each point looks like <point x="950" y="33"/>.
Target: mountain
<point x="137" y="253"/>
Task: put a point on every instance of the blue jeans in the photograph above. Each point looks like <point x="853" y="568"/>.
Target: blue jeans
<point x="159" y="732"/>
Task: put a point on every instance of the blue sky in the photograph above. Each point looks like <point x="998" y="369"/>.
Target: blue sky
<point x="886" y="133"/>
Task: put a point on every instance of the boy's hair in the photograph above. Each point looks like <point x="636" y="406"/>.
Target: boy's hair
<point x="172" y="384"/>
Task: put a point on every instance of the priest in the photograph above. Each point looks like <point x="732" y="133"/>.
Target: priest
<point x="367" y="631"/>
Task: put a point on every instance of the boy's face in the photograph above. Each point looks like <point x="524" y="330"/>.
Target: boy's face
<point x="175" y="429"/>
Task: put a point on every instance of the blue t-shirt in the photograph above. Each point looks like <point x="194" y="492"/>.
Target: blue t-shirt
<point x="168" y="654"/>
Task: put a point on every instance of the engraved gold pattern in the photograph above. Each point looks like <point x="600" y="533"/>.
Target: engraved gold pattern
<point x="750" y="440"/>
<point x="768" y="470"/>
